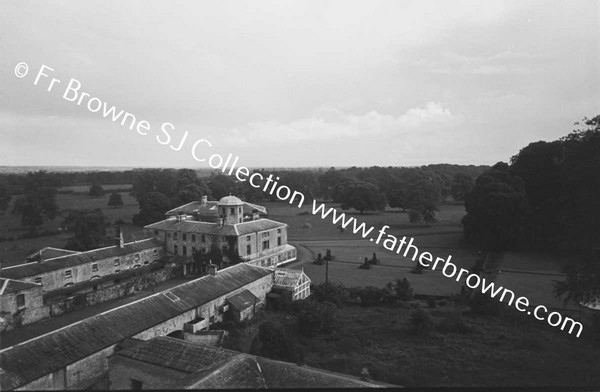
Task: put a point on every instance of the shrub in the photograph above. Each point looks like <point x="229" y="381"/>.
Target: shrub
<point x="332" y="292"/>
<point x="96" y="190"/>
<point x="315" y="317"/>
<point x="453" y="322"/>
<point x="420" y="321"/>
<point x="484" y="305"/>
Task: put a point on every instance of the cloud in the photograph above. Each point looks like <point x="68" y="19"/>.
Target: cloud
<point x="331" y="123"/>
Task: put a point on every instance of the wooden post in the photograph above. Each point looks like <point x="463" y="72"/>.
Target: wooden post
<point x="327" y="270"/>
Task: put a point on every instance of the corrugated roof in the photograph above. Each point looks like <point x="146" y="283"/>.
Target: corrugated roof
<point x="8" y="286"/>
<point x="243" y="300"/>
<point x="35" y="358"/>
<point x="38" y="268"/>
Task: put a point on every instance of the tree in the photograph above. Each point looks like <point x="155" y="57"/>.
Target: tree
<point x="361" y="196"/>
<point x="497" y="210"/>
<point x="38" y="203"/>
<point x="461" y="185"/>
<point x="88" y="227"/>
<point x="153" y="206"/>
<point x="115" y="200"/>
<point x="96" y="190"/>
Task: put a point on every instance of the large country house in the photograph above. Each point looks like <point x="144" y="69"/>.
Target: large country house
<point x="229" y="224"/>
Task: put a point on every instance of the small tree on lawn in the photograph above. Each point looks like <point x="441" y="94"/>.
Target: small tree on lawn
<point x="96" y="190"/>
<point x="115" y="200"/>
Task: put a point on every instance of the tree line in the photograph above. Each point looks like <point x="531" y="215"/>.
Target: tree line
<point x="546" y="198"/>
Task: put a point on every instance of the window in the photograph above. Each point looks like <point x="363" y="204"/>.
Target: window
<point x="155" y="232"/>
<point x="193" y="237"/>
<point x="193" y="250"/>
<point x="184" y="250"/>
<point x="184" y="236"/>
<point x="38" y="280"/>
<point x="265" y="234"/>
<point x="232" y="210"/>
<point x="248" y="249"/>
<point x="224" y="248"/>
<point x="146" y="262"/>
<point x="212" y="320"/>
<point x="155" y="251"/>
<point x="278" y="231"/>
<point x="136" y="257"/>
<point x="94" y="267"/>
<point x="240" y="210"/>
<point x="278" y="241"/>
<point x="175" y="236"/>
<point x="175" y="249"/>
<point x="68" y="274"/>
<point x="248" y="238"/>
<point x="136" y="385"/>
<point x="203" y="238"/>
<point x="21" y="300"/>
<point x="117" y="262"/>
<point x="265" y="245"/>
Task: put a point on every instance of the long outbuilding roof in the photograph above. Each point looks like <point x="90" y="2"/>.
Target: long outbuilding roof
<point x="71" y="260"/>
<point x="35" y="358"/>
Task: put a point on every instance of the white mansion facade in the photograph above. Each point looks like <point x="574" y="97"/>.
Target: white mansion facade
<point x="231" y="225"/>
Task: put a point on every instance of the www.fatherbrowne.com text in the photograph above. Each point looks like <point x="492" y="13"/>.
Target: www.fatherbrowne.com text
<point x="73" y="92"/>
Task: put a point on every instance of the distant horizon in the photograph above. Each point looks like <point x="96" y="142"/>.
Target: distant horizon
<point x="17" y="169"/>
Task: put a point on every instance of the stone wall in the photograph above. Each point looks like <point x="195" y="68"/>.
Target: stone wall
<point x="125" y="287"/>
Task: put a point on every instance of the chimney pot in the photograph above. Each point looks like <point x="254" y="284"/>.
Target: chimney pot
<point x="212" y="269"/>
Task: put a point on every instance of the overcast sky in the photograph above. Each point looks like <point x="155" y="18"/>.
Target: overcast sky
<point x="297" y="83"/>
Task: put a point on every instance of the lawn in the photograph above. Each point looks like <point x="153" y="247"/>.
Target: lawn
<point x="14" y="251"/>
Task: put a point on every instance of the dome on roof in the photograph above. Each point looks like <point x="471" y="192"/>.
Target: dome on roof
<point x="230" y="201"/>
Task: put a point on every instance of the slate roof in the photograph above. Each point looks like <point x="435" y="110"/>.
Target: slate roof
<point x="216" y="368"/>
<point x="50" y="253"/>
<point x="178" y="354"/>
<point x="71" y="260"/>
<point x="8" y="286"/>
<point x="238" y="229"/>
<point x="243" y="300"/>
<point x="30" y="360"/>
<point x="211" y="209"/>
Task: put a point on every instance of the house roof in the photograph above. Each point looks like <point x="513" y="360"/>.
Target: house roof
<point x="211" y="208"/>
<point x="286" y="277"/>
<point x="57" y="263"/>
<point x="216" y="368"/>
<point x="178" y="354"/>
<point x="9" y="286"/>
<point x="230" y="201"/>
<point x="50" y="253"/>
<point x="210" y="228"/>
<point x="243" y="300"/>
<point x="37" y="357"/>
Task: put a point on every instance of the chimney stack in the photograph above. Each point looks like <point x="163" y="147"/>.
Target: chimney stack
<point x="212" y="269"/>
<point x="119" y="238"/>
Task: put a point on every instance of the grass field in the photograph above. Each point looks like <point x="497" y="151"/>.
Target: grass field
<point x="14" y="251"/>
